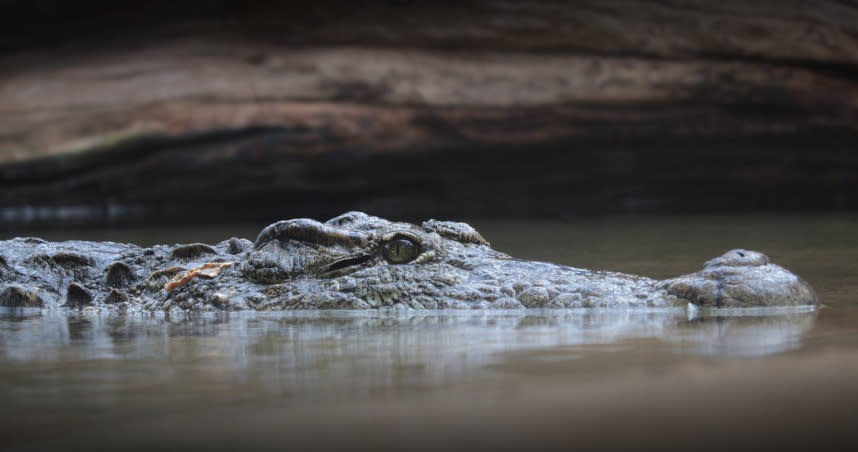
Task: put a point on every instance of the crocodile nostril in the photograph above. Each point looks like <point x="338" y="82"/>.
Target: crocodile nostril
<point x="738" y="258"/>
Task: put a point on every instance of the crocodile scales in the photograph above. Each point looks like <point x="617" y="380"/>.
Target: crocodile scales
<point x="357" y="261"/>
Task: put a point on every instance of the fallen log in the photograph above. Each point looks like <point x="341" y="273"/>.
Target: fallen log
<point x="489" y="108"/>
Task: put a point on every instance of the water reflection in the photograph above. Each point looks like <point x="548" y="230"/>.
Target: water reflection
<point x="735" y="335"/>
<point x="430" y="339"/>
<point x="107" y="359"/>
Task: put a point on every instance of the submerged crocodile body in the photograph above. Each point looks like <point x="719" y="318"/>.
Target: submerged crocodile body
<point x="357" y="261"/>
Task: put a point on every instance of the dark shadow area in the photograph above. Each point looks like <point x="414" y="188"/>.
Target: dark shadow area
<point x="261" y="175"/>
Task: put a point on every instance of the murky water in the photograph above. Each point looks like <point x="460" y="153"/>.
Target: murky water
<point x="787" y="378"/>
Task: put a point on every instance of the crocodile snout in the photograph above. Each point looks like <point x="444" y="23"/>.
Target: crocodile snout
<point x="741" y="278"/>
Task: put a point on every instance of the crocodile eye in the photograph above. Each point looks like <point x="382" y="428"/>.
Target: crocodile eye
<point x="400" y="250"/>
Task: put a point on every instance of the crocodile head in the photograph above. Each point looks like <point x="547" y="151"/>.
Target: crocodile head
<point x="360" y="261"/>
<point x="357" y="261"/>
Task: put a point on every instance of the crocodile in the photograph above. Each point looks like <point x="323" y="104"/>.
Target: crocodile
<point x="358" y="261"/>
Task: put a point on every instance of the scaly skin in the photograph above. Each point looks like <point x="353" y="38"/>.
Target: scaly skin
<point x="356" y="261"/>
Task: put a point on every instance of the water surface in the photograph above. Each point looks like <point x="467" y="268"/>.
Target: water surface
<point x="787" y="378"/>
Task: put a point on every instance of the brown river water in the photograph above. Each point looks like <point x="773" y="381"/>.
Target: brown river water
<point x="608" y="379"/>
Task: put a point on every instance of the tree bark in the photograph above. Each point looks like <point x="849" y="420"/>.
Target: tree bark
<point x="564" y="108"/>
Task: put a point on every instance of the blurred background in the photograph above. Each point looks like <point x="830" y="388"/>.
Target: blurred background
<point x="149" y="112"/>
